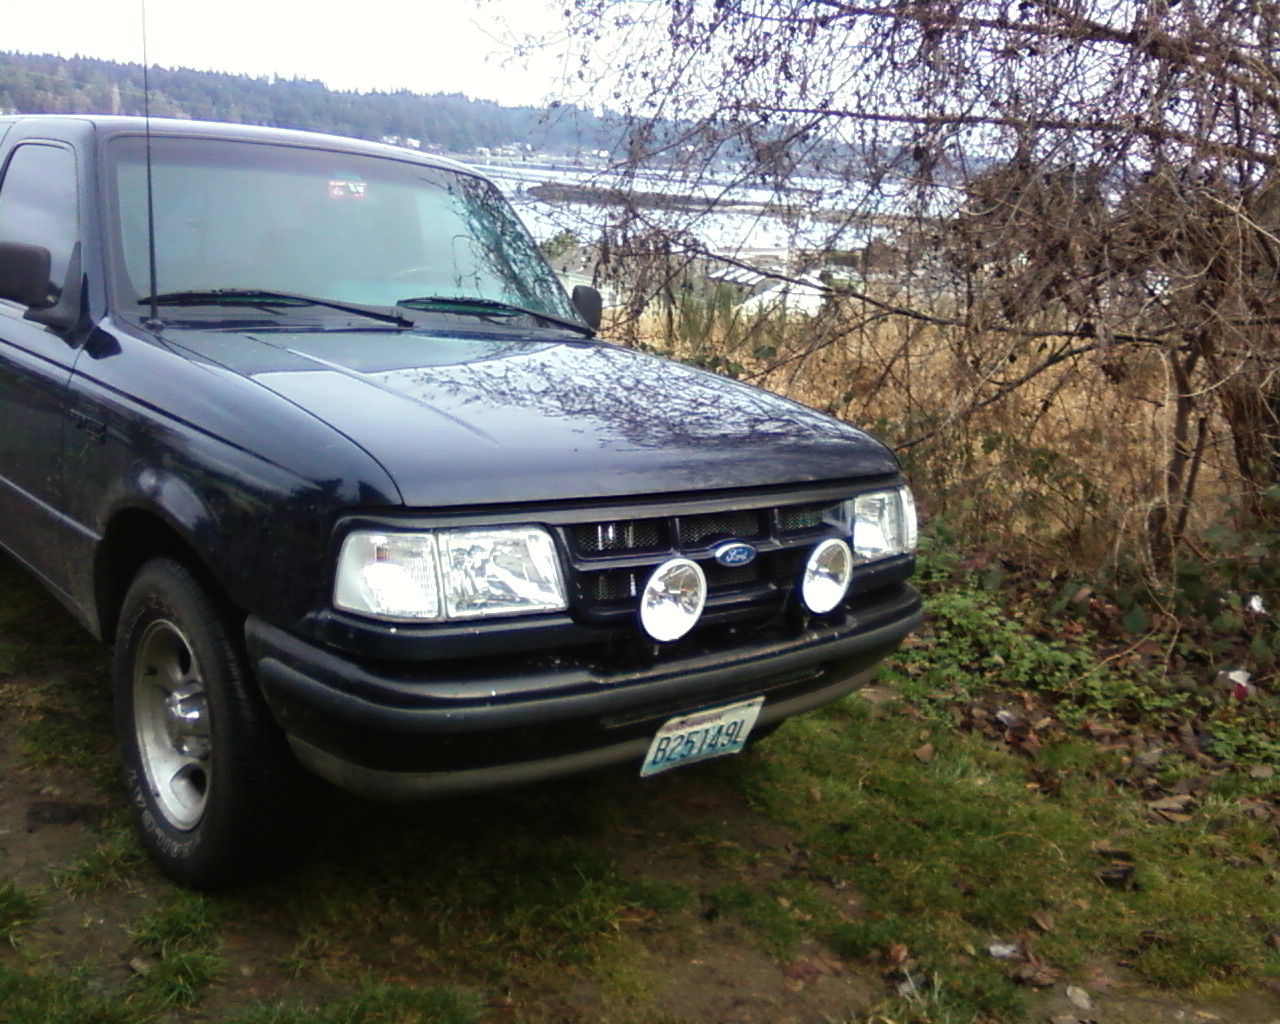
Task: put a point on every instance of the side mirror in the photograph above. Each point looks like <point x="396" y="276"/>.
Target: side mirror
<point x="587" y="301"/>
<point x="24" y="274"/>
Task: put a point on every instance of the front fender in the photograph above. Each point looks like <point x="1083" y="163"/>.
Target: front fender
<point x="174" y="453"/>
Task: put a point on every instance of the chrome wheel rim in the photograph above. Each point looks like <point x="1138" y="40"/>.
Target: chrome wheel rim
<point x="171" y="722"/>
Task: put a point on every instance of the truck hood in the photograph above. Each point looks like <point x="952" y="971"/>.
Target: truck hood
<point x="464" y="418"/>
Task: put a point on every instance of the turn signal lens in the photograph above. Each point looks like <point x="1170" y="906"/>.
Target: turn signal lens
<point x="883" y="524"/>
<point x="390" y="575"/>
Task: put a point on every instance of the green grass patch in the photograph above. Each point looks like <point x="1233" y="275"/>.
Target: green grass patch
<point x="36" y="633"/>
<point x="1091" y="652"/>
<point x="53" y="680"/>
<point x="112" y="863"/>
<point x="766" y="913"/>
<point x="957" y="853"/>
<point x="75" y="735"/>
<point x="376" y="1004"/>
<point x="40" y="997"/>
<point x="497" y="897"/>
<point x="17" y="907"/>
<point x="180" y="941"/>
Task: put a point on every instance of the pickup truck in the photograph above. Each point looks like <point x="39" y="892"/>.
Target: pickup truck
<point x="306" y="428"/>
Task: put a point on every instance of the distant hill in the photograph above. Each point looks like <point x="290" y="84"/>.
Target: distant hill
<point x="41" y="83"/>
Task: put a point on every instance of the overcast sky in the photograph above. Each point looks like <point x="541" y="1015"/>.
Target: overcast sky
<point x="422" y="45"/>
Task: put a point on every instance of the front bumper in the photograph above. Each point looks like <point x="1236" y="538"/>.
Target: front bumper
<point x="394" y="731"/>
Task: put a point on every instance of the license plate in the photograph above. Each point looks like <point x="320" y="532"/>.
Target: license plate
<point x="701" y="735"/>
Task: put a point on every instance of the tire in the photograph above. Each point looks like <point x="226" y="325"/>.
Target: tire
<point x="217" y="794"/>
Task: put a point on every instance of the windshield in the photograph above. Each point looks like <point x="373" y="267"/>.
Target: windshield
<point x="337" y="226"/>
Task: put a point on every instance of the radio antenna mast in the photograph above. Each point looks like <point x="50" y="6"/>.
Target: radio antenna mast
<point x="154" y="319"/>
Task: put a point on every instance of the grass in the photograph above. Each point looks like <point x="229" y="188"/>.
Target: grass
<point x="957" y="853"/>
<point x="504" y="898"/>
<point x="37" y="997"/>
<point x="16" y="908"/>
<point x="112" y="862"/>
<point x="880" y="834"/>
<point x="64" y="703"/>
<point x="179" y="944"/>
<point x="1062" y="465"/>
<point x="43" y="997"/>
<point x="376" y="1004"/>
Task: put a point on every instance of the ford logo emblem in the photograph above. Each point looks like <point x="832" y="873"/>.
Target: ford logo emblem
<point x="733" y="553"/>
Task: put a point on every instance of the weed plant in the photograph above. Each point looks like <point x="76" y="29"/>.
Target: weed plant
<point x="16" y="908"/>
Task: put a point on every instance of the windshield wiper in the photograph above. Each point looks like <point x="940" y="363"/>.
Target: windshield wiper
<point x="486" y="307"/>
<point x="263" y="297"/>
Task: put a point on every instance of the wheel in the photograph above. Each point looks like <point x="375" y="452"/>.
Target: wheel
<point x="218" y="796"/>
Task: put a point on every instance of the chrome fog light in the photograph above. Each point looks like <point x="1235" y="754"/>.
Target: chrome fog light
<point x="672" y="601"/>
<point x="826" y="576"/>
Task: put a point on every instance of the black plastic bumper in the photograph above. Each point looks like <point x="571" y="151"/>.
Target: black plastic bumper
<point x="395" y="732"/>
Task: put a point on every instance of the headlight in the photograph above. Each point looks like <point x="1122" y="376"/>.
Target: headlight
<point x="881" y="524"/>
<point x="500" y="572"/>
<point x="454" y="574"/>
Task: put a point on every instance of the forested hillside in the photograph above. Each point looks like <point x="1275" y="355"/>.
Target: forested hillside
<point x="48" y="84"/>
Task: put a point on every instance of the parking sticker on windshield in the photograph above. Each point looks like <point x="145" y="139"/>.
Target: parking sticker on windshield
<point x="346" y="188"/>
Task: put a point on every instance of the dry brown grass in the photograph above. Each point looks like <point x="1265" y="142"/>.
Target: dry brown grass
<point x="1062" y="466"/>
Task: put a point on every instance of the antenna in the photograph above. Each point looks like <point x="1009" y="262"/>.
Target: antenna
<point x="153" y="320"/>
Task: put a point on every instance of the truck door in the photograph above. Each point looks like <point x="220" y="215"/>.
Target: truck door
<point x="38" y="204"/>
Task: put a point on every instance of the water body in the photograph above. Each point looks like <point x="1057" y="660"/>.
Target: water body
<point x="736" y="221"/>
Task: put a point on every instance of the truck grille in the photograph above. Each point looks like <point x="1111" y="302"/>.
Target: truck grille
<point x="611" y="560"/>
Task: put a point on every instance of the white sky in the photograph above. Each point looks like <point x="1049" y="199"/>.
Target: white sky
<point x="421" y="45"/>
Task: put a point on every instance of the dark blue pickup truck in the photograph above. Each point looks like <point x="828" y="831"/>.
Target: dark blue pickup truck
<point x="308" y="430"/>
